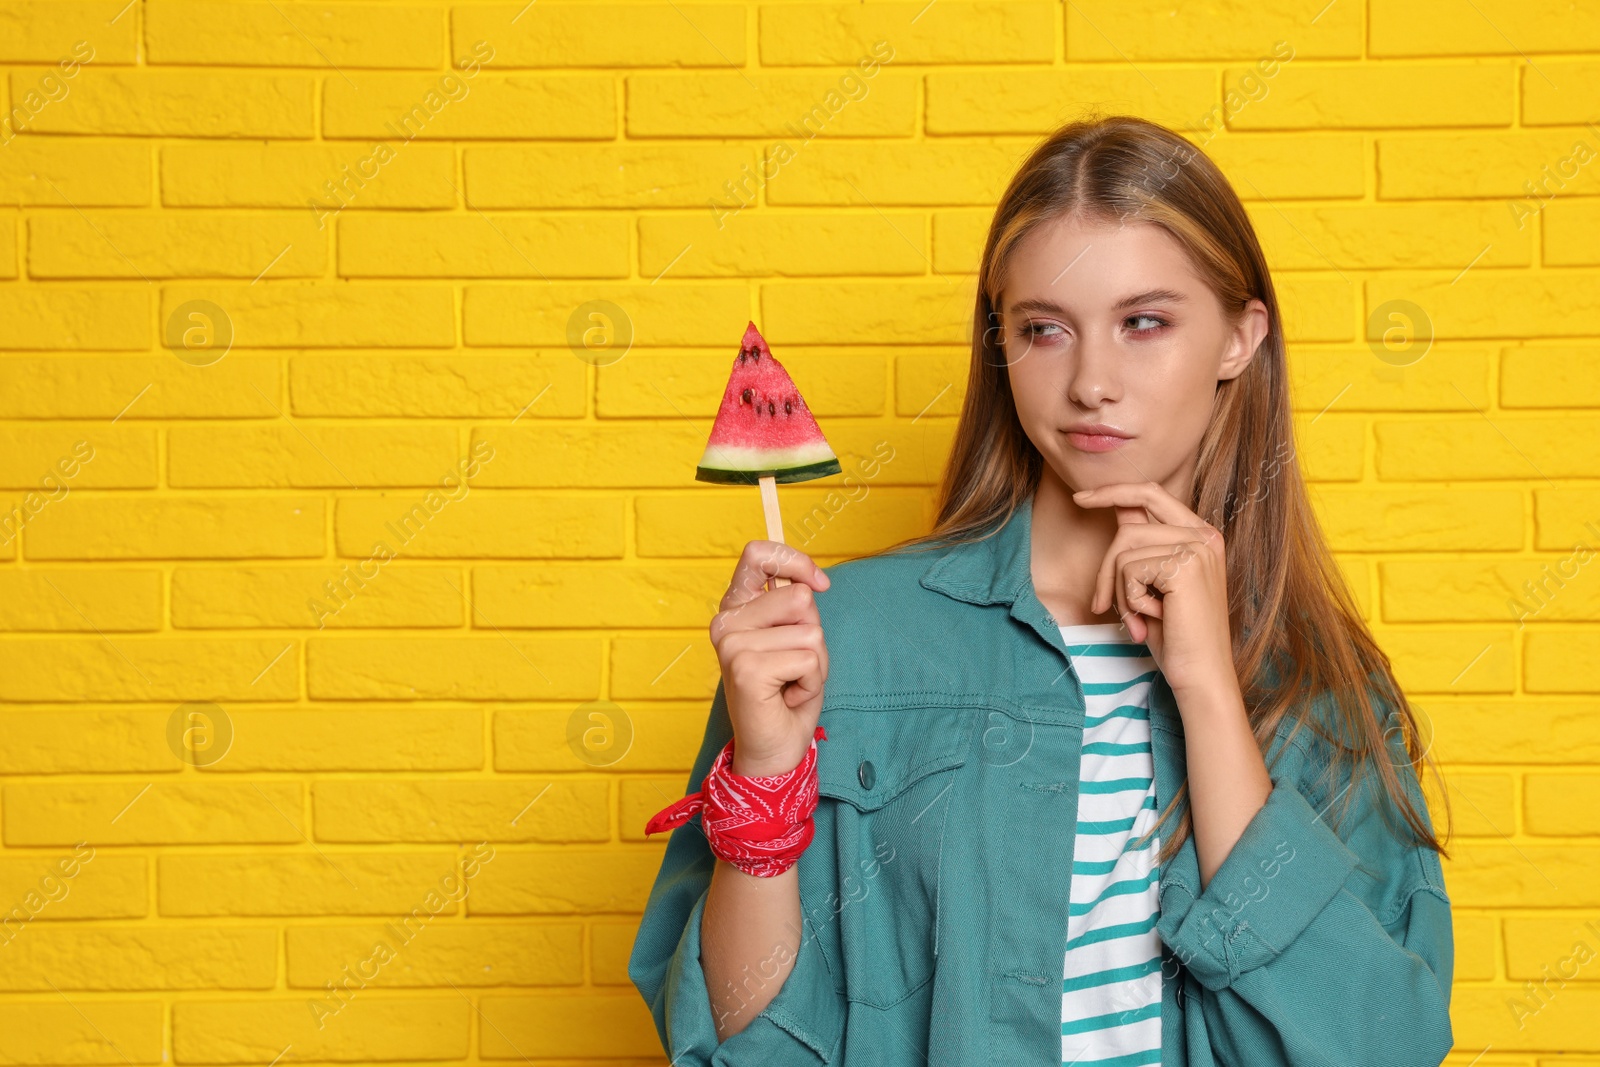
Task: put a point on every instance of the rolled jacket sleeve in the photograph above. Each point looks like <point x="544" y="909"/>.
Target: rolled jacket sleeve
<point x="804" y="1022"/>
<point x="1316" y="946"/>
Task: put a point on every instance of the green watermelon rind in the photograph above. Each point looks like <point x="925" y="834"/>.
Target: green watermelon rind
<point x="804" y="473"/>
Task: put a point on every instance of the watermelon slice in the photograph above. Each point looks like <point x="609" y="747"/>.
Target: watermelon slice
<point x="763" y="427"/>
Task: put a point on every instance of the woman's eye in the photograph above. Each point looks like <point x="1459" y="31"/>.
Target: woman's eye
<point x="1159" y="322"/>
<point x="1042" y="329"/>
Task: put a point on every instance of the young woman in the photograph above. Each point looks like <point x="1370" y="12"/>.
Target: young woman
<point x="1107" y="769"/>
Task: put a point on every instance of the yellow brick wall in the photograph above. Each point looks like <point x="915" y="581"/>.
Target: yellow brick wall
<point x="272" y="272"/>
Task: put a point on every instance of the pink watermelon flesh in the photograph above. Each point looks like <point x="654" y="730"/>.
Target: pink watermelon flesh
<point x="763" y="426"/>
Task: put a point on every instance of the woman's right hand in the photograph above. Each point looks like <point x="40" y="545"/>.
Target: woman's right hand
<point x="773" y="657"/>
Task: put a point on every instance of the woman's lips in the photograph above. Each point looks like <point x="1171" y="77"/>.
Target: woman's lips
<point x="1095" y="442"/>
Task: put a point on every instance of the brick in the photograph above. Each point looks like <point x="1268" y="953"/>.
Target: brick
<point x="470" y="668"/>
<point x="1038" y="101"/>
<point x="1571" y="229"/>
<point x="930" y="381"/>
<point x="548" y="810"/>
<point x="324" y="882"/>
<point x="84" y="173"/>
<point x="480" y="246"/>
<point x="46" y="31"/>
<point x="799" y="106"/>
<point x="1390" y="236"/>
<point x="103" y="528"/>
<point x="138" y="387"/>
<point x="1559" y="661"/>
<point x="328" y="316"/>
<point x="1102" y="30"/>
<point x="1287" y="166"/>
<point x="174" y="245"/>
<point x="1329" y="448"/>
<point x="664" y="314"/>
<point x="141" y="669"/>
<point x="565" y="881"/>
<point x="1481" y="805"/>
<point x="141" y="957"/>
<point x="457" y="106"/>
<point x="1522" y="876"/>
<point x="1381" y="96"/>
<point x="337" y="35"/>
<point x="958" y="238"/>
<point x="440" y="954"/>
<point x="297" y="598"/>
<point x="375" y="1029"/>
<point x="1522" y="590"/>
<point x="167" y="812"/>
<point x="62" y="317"/>
<point x="354" y="739"/>
<point x="1456" y="661"/>
<point x="1317" y="308"/>
<point x="1528" y="730"/>
<point x="87" y="1032"/>
<point x="1427" y="28"/>
<point x="720" y="524"/>
<point x="535" y="385"/>
<point x="658" y="35"/>
<point x="1541" y="946"/>
<point x="1420" y="519"/>
<point x="106" y="886"/>
<point x="1562" y="804"/>
<point x="1498" y="165"/>
<point x="86" y="740"/>
<point x="1482" y="448"/>
<point x="640" y="798"/>
<point x="619" y="175"/>
<point x="499" y="526"/>
<point x="918" y="174"/>
<point x="317" y="178"/>
<point x="759" y="244"/>
<point x="664" y="667"/>
<point x="605" y="596"/>
<point x="1354" y="379"/>
<point x="161" y="103"/>
<point x="1476" y="936"/>
<point x="610" y="946"/>
<point x="285" y="455"/>
<point x="674" y="384"/>
<point x="656" y="738"/>
<point x="1494" y="303"/>
<point x="8" y="246"/>
<point x="1485" y="1016"/>
<point x="591" y="1024"/>
<point x="867" y="312"/>
<point x="1542" y="105"/>
<point x="951" y="32"/>
<point x="81" y="601"/>
<point x="56" y="458"/>
<point x="1564" y="520"/>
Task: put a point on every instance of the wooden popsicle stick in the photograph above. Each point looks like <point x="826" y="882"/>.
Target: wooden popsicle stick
<point x="769" y="504"/>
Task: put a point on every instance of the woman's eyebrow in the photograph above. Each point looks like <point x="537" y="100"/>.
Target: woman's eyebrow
<point x="1149" y="296"/>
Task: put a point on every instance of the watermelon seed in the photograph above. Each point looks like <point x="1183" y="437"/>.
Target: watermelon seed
<point x="772" y="409"/>
<point x="787" y="408"/>
<point x="744" y="397"/>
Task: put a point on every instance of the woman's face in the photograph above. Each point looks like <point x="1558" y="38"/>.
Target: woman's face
<point x="1107" y="327"/>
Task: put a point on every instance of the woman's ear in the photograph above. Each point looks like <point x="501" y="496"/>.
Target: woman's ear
<point x="1245" y="340"/>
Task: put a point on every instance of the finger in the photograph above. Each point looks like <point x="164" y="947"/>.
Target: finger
<point x="1133" y="536"/>
<point x="763" y="560"/>
<point x="791" y="604"/>
<point x="1149" y="496"/>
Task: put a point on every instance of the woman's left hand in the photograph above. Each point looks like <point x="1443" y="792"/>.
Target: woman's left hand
<point x="1166" y="569"/>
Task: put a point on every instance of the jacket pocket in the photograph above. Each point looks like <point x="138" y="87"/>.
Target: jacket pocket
<point x="886" y="782"/>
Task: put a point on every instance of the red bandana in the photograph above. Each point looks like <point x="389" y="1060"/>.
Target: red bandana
<point x="758" y="823"/>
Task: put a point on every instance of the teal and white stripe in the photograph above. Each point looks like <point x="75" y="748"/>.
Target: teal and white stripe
<point x="1111" y="983"/>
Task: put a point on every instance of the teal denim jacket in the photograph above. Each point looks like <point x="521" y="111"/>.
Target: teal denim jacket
<point x="934" y="893"/>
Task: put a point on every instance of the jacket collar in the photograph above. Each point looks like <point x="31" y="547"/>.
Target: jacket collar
<point x="994" y="570"/>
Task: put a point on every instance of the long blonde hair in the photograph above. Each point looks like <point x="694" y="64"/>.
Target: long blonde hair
<point x="1296" y="627"/>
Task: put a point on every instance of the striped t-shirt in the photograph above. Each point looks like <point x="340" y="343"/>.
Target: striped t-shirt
<point x="1111" y="987"/>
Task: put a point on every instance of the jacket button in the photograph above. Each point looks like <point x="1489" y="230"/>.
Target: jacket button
<point x="867" y="774"/>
